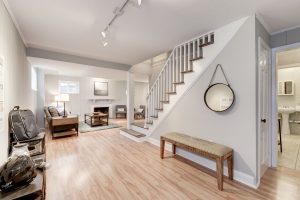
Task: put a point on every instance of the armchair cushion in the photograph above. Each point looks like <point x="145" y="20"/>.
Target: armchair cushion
<point x="53" y="111"/>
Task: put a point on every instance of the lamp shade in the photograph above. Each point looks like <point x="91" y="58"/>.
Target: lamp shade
<point x="64" y="97"/>
<point x="57" y="97"/>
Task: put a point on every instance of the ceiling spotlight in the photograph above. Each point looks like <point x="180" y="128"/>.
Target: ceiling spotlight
<point x="139" y="2"/>
<point x="104" y="33"/>
<point x="105" y="43"/>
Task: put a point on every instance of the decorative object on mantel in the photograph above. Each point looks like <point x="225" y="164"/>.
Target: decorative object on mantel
<point x="84" y="128"/>
<point x="219" y="97"/>
<point x="100" y="88"/>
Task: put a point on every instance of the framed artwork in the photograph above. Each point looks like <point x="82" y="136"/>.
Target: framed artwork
<point x="100" y="88"/>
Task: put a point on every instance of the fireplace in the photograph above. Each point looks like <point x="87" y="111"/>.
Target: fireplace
<point x="104" y="110"/>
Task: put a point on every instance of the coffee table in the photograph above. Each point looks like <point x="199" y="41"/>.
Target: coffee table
<point x="98" y="119"/>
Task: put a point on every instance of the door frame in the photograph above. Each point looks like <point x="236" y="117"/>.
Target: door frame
<point x="274" y="109"/>
<point x="261" y="42"/>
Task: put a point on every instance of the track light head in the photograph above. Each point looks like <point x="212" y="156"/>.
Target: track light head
<point x="139" y="2"/>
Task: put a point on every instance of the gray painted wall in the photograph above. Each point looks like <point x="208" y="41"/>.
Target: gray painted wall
<point x="17" y="73"/>
<point x="285" y="38"/>
<point x="235" y="128"/>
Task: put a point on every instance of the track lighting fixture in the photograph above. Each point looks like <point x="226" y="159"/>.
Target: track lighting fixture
<point x="117" y="13"/>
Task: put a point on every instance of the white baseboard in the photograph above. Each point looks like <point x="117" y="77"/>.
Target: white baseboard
<point x="237" y="175"/>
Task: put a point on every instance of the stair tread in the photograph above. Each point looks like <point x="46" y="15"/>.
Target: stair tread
<point x="153" y="116"/>
<point x="139" y="124"/>
<point x="165" y="101"/>
<point x="188" y="71"/>
<point x="198" y="58"/>
<point x="159" y="109"/>
<point x="179" y="82"/>
<point x="206" y="44"/>
<point x="171" y="92"/>
<point x="133" y="133"/>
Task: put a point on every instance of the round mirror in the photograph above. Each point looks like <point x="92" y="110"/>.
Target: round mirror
<point x="219" y="97"/>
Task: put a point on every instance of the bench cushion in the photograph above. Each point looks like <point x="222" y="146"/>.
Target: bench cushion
<point x="203" y="145"/>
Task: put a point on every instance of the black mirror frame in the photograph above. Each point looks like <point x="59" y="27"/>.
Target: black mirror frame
<point x="211" y="87"/>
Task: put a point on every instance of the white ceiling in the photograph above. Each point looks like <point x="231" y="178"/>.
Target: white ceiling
<point x="74" y="26"/>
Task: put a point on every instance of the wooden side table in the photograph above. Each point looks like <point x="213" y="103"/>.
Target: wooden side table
<point x="71" y="120"/>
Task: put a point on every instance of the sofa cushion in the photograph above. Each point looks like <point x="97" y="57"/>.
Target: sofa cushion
<point x="48" y="115"/>
<point x="53" y="111"/>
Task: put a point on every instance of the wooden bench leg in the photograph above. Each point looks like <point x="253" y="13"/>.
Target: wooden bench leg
<point x="220" y="163"/>
<point x="230" y="167"/>
<point x="173" y="149"/>
<point x="162" y="148"/>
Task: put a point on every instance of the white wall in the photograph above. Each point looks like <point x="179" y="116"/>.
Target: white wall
<point x="235" y="128"/>
<point x="290" y="74"/>
<point x="140" y="94"/>
<point x="17" y="73"/>
<point x="81" y="103"/>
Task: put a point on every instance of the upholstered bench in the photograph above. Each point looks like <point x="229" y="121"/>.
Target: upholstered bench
<point x="211" y="150"/>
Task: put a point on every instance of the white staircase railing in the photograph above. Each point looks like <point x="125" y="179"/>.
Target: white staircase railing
<point x="178" y="63"/>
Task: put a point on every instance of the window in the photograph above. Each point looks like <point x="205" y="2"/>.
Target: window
<point x="33" y="79"/>
<point x="68" y="87"/>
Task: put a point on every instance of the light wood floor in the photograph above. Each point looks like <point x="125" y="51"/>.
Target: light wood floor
<point x="106" y="165"/>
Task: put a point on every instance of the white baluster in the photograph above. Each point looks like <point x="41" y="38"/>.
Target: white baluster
<point x="189" y="56"/>
<point x="194" y="49"/>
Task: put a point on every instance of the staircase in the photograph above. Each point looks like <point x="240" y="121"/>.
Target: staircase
<point x="185" y="65"/>
<point x="179" y="63"/>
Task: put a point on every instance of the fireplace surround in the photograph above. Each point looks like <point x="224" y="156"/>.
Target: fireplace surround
<point x="104" y="110"/>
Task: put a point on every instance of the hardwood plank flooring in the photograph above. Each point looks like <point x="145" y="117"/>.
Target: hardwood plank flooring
<point x="107" y="165"/>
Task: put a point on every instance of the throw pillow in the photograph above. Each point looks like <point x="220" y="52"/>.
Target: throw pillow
<point x="53" y="111"/>
<point x="121" y="109"/>
<point x="140" y="110"/>
<point x="61" y="112"/>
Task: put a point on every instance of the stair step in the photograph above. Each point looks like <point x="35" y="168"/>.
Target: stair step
<point x="139" y="124"/>
<point x="188" y="71"/>
<point x="159" y="109"/>
<point x="177" y="83"/>
<point x="165" y="101"/>
<point x="154" y="117"/>
<point x="198" y="58"/>
<point x="133" y="133"/>
<point x="149" y="123"/>
<point x="206" y="44"/>
<point x="171" y="93"/>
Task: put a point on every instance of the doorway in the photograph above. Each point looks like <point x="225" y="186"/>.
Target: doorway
<point x="288" y="106"/>
<point x="264" y="107"/>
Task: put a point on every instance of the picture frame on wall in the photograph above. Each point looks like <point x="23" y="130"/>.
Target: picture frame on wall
<point x="100" y="88"/>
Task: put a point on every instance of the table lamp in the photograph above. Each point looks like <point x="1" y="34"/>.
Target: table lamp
<point x="57" y="99"/>
<point x="64" y="98"/>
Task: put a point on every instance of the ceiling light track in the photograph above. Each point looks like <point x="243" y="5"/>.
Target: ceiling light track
<point x="117" y="13"/>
